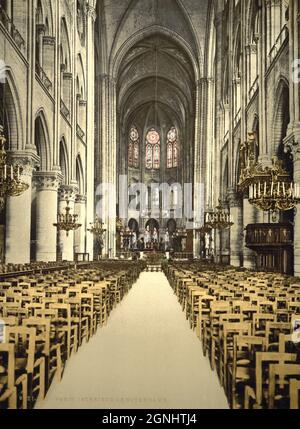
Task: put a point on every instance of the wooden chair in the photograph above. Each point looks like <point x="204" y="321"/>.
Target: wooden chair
<point x="279" y="383"/>
<point x="211" y="329"/>
<point x="255" y="392"/>
<point x="44" y="348"/>
<point x="242" y="367"/>
<point x="26" y="361"/>
<point x="230" y="327"/>
<point x="260" y="323"/>
<point x="8" y="390"/>
<point x="204" y="304"/>
<point x="294" y="394"/>
<point x="273" y="330"/>
<point x="65" y="325"/>
<point x="78" y="319"/>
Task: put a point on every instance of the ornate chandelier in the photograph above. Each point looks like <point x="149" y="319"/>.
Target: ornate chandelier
<point x="119" y="225"/>
<point x="219" y="219"/>
<point x="269" y="188"/>
<point x="97" y="228"/>
<point x="180" y="233"/>
<point x="127" y="233"/>
<point x="10" y="182"/>
<point x="203" y="229"/>
<point x="67" y="222"/>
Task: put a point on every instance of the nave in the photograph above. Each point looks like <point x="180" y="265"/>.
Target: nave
<point x="145" y="357"/>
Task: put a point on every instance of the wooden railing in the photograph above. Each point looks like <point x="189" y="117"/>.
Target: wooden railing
<point x="269" y="235"/>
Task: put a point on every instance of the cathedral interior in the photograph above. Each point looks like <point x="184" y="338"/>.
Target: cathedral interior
<point x="150" y="155"/>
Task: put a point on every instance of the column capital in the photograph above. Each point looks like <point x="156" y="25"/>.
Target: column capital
<point x="29" y="161"/>
<point x="205" y="80"/>
<point x="236" y="81"/>
<point x="234" y="199"/>
<point x="91" y="12"/>
<point x="67" y="192"/>
<point x="40" y="28"/>
<point x="67" y="76"/>
<point x="251" y="48"/>
<point x="107" y="78"/>
<point x="49" y="40"/>
<point x="273" y="3"/>
<point x="80" y="199"/>
<point x="292" y="144"/>
<point x="47" y="181"/>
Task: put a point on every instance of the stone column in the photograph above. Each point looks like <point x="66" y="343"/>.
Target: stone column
<point x="236" y="231"/>
<point x="9" y="14"/>
<point x="292" y="144"/>
<point x="49" y="56"/>
<point x="67" y="89"/>
<point x="249" y="218"/>
<point x="107" y="209"/>
<point x="292" y="141"/>
<point x="40" y="31"/>
<point x="66" y="243"/>
<point x="47" y="184"/>
<point x="90" y="126"/>
<point x="297" y="218"/>
<point x="80" y="210"/>
<point x="18" y="215"/>
<point x="198" y="199"/>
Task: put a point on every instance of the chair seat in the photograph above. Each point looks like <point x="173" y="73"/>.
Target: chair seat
<point x="20" y="363"/>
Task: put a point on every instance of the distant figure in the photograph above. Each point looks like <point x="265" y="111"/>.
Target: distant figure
<point x="134" y="241"/>
<point x="167" y="240"/>
<point x="161" y="245"/>
<point x="147" y="235"/>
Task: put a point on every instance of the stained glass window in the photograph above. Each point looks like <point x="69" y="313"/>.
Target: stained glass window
<point x="153" y="150"/>
<point x="172" y="148"/>
<point x="134" y="148"/>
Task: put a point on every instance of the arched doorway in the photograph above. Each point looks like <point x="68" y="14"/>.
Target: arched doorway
<point x="133" y="225"/>
<point x="152" y="224"/>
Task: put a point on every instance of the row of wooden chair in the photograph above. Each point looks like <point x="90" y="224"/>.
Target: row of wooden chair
<point x="45" y="318"/>
<point x="246" y="323"/>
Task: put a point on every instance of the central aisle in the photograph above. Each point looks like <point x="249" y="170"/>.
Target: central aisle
<point x="146" y="357"/>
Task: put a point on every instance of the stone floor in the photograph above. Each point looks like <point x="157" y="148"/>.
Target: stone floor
<point x="146" y="357"/>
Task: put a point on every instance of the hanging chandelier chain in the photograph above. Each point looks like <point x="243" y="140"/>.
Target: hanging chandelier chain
<point x="67" y="221"/>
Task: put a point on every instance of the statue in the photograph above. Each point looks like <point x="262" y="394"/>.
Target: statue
<point x="147" y="235"/>
<point x="243" y="156"/>
<point x="155" y="235"/>
<point x="167" y="240"/>
<point x="134" y="240"/>
<point x="252" y="146"/>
